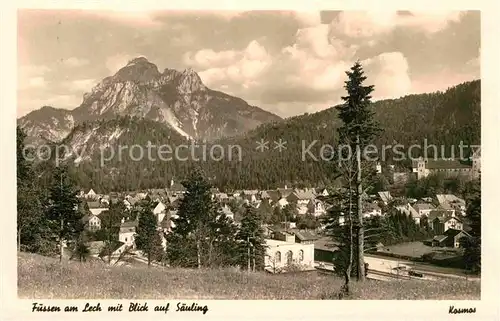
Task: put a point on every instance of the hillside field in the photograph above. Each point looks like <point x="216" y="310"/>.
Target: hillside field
<point x="42" y="277"/>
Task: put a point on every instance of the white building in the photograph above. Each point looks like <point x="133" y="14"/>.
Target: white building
<point x="227" y="211"/>
<point x="316" y="207"/>
<point x="282" y="203"/>
<point x="91" y="222"/>
<point x="127" y="232"/>
<point x="91" y="194"/>
<point x="283" y="255"/>
<point x="423" y="210"/>
<point x="160" y="211"/>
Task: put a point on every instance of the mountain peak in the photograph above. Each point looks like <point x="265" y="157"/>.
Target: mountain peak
<point x="189" y="71"/>
<point x="190" y="81"/>
<point x="138" y="70"/>
<point x="138" y="60"/>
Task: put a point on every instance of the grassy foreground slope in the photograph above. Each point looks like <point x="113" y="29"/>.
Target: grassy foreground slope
<point x="44" y="278"/>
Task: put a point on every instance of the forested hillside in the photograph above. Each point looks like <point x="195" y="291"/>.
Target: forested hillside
<point x="443" y="118"/>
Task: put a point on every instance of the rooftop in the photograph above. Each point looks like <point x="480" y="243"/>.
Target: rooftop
<point x="325" y="244"/>
<point x="445" y="164"/>
<point x="277" y="243"/>
<point x="423" y="206"/>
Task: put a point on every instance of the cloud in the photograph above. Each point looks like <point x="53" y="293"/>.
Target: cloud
<point x="306" y="18"/>
<point x="389" y="73"/>
<point x="130" y="17"/>
<point x="241" y="68"/>
<point x="32" y="76"/>
<point x="37" y="82"/>
<point x="76" y="62"/>
<point x="33" y="70"/>
<point x="308" y="73"/>
<point x="116" y="62"/>
<point x="81" y="85"/>
<point x="474" y="64"/>
<point x="365" y="24"/>
<point x="207" y="58"/>
<point x="429" y="21"/>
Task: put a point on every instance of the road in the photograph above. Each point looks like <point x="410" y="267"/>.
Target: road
<point x="430" y="272"/>
<point x="386" y="269"/>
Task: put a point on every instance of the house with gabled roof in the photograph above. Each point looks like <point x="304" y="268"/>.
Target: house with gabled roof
<point x="305" y="236"/>
<point x="284" y="192"/>
<point x="127" y="232"/>
<point x="385" y="197"/>
<point x="96" y="207"/>
<point x="91" y="194"/>
<point x="439" y="213"/>
<point x="322" y="192"/>
<point x="443" y="223"/>
<point x="423" y="208"/>
<point x="301" y="196"/>
<point x="450" y="238"/>
<point x="451" y="202"/>
<point x="160" y="210"/>
<point x="133" y="200"/>
<point x="91" y="222"/>
<point x="274" y="195"/>
<point x="316" y="207"/>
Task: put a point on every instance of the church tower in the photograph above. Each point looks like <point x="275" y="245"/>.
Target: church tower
<point x="476" y="164"/>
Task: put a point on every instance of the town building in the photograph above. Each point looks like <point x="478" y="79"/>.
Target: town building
<point x="441" y="224"/>
<point x="127" y="232"/>
<point x="316" y="208"/>
<point x="451" y="202"/>
<point x="448" y="167"/>
<point x="450" y="238"/>
<point x="91" y="222"/>
<point x="97" y="207"/>
<point x="284" y="254"/>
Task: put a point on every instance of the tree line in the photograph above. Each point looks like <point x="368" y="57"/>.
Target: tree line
<point x="443" y="118"/>
<point x="202" y="235"/>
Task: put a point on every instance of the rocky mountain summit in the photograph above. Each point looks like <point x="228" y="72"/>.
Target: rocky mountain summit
<point x="177" y="99"/>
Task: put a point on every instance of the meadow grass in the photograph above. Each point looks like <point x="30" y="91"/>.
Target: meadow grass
<point x="45" y="278"/>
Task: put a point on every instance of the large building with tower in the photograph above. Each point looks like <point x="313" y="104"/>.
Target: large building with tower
<point x="448" y="167"/>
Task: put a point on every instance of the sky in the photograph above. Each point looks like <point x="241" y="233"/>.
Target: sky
<point x="286" y="62"/>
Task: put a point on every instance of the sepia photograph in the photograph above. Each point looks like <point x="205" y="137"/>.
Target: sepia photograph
<point x="248" y="155"/>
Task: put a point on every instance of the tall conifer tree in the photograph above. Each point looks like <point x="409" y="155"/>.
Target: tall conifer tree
<point x="63" y="212"/>
<point x="148" y="238"/>
<point x="251" y="240"/>
<point x="358" y="130"/>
